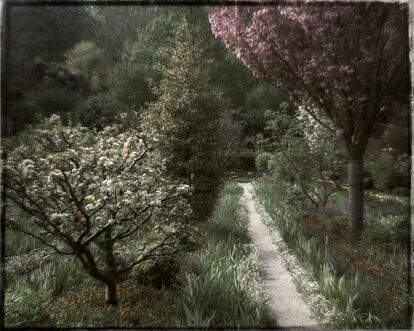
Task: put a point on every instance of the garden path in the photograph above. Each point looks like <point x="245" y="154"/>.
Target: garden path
<point x="285" y="303"/>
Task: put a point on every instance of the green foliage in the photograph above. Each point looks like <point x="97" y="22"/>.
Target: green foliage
<point x="195" y="317"/>
<point x="139" y="306"/>
<point x="44" y="32"/>
<point x="388" y="156"/>
<point x="386" y="172"/>
<point x="222" y="288"/>
<point x="17" y="115"/>
<point x="17" y="243"/>
<point x="55" y="100"/>
<point x="344" y="292"/>
<point x="20" y="265"/>
<point x="26" y="308"/>
<point x="230" y="136"/>
<point x="67" y="314"/>
<point x="262" y="160"/>
<point x="117" y="26"/>
<point x="131" y="77"/>
<point x="231" y="188"/>
<point x="303" y="159"/>
<point x="102" y="110"/>
<point x="52" y="277"/>
<point x="401" y="191"/>
<point x="260" y="99"/>
<point x="219" y="293"/>
<point x="82" y="305"/>
<point x="226" y="215"/>
<point x="54" y="75"/>
<point x="161" y="273"/>
<point x="185" y="101"/>
<point x="85" y="58"/>
<point x="52" y="31"/>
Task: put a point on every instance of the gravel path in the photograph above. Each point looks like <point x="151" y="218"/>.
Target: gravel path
<point x="285" y="304"/>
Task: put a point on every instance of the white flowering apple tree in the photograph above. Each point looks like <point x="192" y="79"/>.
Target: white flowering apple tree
<point x="97" y="196"/>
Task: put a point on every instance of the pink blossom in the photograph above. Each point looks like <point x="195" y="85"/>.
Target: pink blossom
<point x="327" y="55"/>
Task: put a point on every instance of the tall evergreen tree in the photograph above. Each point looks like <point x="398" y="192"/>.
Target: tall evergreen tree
<point x="185" y="117"/>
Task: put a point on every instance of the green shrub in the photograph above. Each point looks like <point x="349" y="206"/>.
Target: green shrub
<point x="231" y="189"/>
<point x="402" y="191"/>
<point x="25" y="307"/>
<point x="17" y="243"/>
<point x="55" y="100"/>
<point x="159" y="274"/>
<point x="389" y="230"/>
<point x="53" y="276"/>
<point x="262" y="160"/>
<point x="86" y="57"/>
<point x="227" y="220"/>
<point x="101" y="110"/>
<point x="304" y="158"/>
<point x="385" y="174"/>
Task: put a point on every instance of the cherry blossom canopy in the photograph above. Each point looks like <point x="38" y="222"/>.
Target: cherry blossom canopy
<point x="346" y="60"/>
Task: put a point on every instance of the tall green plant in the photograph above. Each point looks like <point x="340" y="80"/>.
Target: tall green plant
<point x="185" y="104"/>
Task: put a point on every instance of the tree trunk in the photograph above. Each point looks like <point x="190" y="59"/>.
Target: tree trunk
<point x="111" y="294"/>
<point x="356" y="196"/>
<point x="105" y="276"/>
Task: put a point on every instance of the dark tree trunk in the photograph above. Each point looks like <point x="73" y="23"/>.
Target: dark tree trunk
<point x="109" y="276"/>
<point x="111" y="293"/>
<point x="356" y="196"/>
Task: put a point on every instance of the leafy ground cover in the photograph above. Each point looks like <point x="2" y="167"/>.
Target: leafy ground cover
<point x="368" y="282"/>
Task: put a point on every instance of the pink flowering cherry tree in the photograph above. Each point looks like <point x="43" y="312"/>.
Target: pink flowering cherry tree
<point x="346" y="64"/>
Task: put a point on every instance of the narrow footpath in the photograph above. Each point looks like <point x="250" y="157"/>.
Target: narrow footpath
<point x="285" y="303"/>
